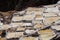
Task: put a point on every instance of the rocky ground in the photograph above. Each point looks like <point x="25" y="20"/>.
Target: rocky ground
<point x="42" y="23"/>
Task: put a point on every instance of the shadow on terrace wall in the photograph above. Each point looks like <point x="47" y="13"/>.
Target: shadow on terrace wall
<point x="9" y="5"/>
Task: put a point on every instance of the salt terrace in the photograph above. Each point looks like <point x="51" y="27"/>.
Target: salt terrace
<point x="32" y="24"/>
